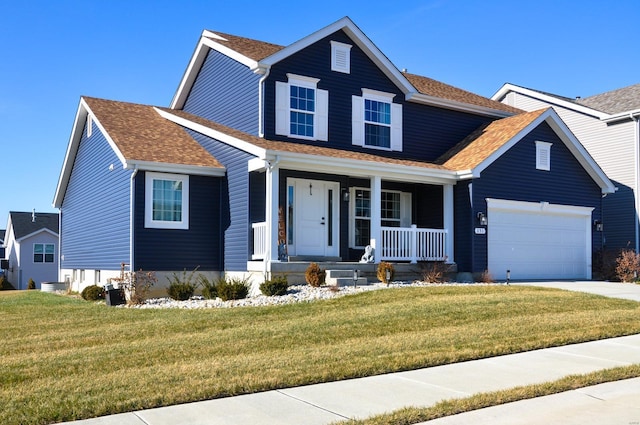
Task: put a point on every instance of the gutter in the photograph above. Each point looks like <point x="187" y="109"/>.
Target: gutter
<point x="131" y="216"/>
<point x="634" y="117"/>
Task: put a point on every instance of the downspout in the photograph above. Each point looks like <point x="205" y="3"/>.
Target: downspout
<point x="637" y="178"/>
<point x="260" y="101"/>
<point x="131" y="216"/>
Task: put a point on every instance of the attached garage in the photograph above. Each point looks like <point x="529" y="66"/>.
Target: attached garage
<point x="538" y="240"/>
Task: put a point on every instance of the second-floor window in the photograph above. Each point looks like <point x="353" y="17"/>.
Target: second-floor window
<point x="43" y="252"/>
<point x="301" y="108"/>
<point x="376" y="121"/>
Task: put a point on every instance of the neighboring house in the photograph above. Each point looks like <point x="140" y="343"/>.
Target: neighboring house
<point x="271" y="156"/>
<point x="607" y="125"/>
<point x="31" y="247"/>
<point x="2" y="233"/>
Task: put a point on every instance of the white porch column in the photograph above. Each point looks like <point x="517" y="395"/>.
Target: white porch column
<point x="447" y="201"/>
<point x="272" y="179"/>
<point x="376" y="216"/>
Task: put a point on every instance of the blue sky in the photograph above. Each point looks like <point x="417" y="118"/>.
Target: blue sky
<point x="53" y="52"/>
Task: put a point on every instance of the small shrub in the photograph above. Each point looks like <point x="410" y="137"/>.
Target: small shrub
<point x="136" y="285"/>
<point x="276" y="286"/>
<point x="5" y="285"/>
<point x="628" y="266"/>
<point x="92" y="293"/>
<point x="485" y="277"/>
<point x="434" y="272"/>
<point x="31" y="284"/>
<point x="182" y="288"/>
<point x="382" y="272"/>
<point x="314" y="275"/>
<point x="209" y="287"/>
<point x="232" y="289"/>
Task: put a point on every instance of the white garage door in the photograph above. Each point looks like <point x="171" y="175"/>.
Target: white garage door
<point x="538" y="240"/>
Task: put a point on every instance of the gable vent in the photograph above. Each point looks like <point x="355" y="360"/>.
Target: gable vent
<point x="340" y="57"/>
<point x="543" y="156"/>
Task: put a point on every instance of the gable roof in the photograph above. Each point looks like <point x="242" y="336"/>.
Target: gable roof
<point x="140" y="138"/>
<point x="24" y="225"/>
<point x="615" y="101"/>
<point x="259" y="56"/>
<point x="610" y="106"/>
<point x="482" y="147"/>
<point x="2" y="233"/>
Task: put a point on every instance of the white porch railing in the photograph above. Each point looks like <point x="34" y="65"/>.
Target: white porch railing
<point x="413" y="244"/>
<point x="259" y="240"/>
<point x="398" y="243"/>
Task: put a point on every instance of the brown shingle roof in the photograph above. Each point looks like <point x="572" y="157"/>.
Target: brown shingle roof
<point x="300" y="148"/>
<point x="486" y="140"/>
<point x="441" y="90"/>
<point x="140" y="133"/>
<point x="253" y="49"/>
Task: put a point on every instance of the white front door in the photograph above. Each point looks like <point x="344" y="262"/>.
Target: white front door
<point x="314" y="215"/>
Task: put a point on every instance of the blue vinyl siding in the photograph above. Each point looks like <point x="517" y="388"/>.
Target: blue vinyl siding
<point x="428" y="132"/>
<point x="169" y="249"/>
<point x="234" y="202"/>
<point x="95" y="209"/>
<point x="567" y="183"/>
<point x="619" y="219"/>
<point x="226" y="92"/>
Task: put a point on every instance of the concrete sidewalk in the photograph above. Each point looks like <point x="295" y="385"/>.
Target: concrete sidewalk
<point x="364" y="397"/>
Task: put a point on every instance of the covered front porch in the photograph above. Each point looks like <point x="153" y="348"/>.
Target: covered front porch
<point x="354" y="218"/>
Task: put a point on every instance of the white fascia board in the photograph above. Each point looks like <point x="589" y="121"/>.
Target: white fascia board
<point x="43" y="230"/>
<point x="627" y="115"/>
<point x="457" y="106"/>
<point x="358" y="37"/>
<point x="363" y="168"/>
<point x="214" y="134"/>
<point x="72" y="149"/>
<point x="197" y="59"/>
<point x="505" y="89"/>
<point x="164" y="167"/>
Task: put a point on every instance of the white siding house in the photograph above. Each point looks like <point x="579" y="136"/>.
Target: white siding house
<point x="608" y="127"/>
<point x="31" y="246"/>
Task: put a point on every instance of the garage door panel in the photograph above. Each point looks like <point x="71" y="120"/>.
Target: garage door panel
<point x="538" y="244"/>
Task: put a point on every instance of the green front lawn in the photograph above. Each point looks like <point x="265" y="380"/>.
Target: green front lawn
<point x="63" y="358"/>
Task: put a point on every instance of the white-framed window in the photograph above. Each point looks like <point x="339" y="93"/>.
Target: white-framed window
<point x="376" y="121"/>
<point x="82" y="276"/>
<point x="340" y="57"/>
<point x="395" y="211"/>
<point x="97" y="276"/>
<point x="44" y="252"/>
<point x="302" y="108"/>
<point x="543" y="156"/>
<point x="166" y="201"/>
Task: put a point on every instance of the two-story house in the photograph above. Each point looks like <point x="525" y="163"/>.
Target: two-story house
<point x="31" y="248"/>
<point x="273" y="155"/>
<point x="608" y="125"/>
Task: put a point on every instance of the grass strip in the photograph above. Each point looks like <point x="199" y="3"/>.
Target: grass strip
<point x="64" y="359"/>
<point x="412" y="415"/>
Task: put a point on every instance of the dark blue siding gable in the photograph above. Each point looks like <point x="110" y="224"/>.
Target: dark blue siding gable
<point x="95" y="210"/>
<point x="170" y="250"/>
<point x="514" y="176"/>
<point x="225" y="91"/>
<point x="428" y="132"/>
<point x="234" y="201"/>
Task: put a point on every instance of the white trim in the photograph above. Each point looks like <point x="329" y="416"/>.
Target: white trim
<point x="524" y="206"/>
<point x="425" y="99"/>
<point x="149" y="222"/>
<point x="45" y="230"/>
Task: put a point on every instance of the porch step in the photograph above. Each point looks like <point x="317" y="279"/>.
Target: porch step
<point x="314" y="258"/>
<point x="343" y="278"/>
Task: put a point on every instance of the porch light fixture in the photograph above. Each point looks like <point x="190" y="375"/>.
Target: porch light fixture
<point x="482" y="219"/>
<point x="345" y="195"/>
<point x="598" y="225"/>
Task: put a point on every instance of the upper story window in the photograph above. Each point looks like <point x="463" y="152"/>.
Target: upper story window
<point x="340" y="57"/>
<point x="166" y="201"/>
<point x="43" y="252"/>
<point x="376" y="121"/>
<point x="543" y="156"/>
<point x="302" y="108"/>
